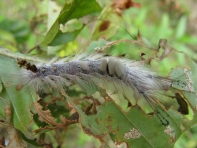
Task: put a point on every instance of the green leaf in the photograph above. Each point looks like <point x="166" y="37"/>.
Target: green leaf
<point x="164" y="29"/>
<point x="95" y="45"/>
<point x="63" y="38"/>
<point x="20" y="99"/>
<point x="1" y="86"/>
<point x="32" y="142"/>
<point x="181" y="28"/>
<point x="2" y="105"/>
<point x="188" y="78"/>
<point x="193" y="74"/>
<point x="134" y="127"/>
<point x="184" y="81"/>
<point x="51" y="33"/>
<point x="191" y="95"/>
<point x="76" y="9"/>
<point x="179" y="78"/>
<point x="18" y="29"/>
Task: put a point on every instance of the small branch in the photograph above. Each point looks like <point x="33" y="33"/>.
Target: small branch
<point x="31" y="49"/>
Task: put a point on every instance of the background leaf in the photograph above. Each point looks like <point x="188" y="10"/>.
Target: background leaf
<point x="76" y="9"/>
<point x="63" y="38"/>
<point x="18" y="29"/>
<point x="181" y="28"/>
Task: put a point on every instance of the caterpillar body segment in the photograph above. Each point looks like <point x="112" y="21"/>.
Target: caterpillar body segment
<point x="120" y="69"/>
<point x="111" y="66"/>
<point x="103" y="66"/>
<point x="84" y="65"/>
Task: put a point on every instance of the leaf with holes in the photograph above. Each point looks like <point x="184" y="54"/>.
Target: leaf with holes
<point x="134" y="127"/>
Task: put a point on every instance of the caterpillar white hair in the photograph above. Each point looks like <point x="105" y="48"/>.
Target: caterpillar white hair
<point x="96" y="72"/>
<point x="112" y="74"/>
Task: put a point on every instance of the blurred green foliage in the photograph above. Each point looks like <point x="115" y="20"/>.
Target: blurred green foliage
<point x="24" y="26"/>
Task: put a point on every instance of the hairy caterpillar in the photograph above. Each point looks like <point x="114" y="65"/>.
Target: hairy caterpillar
<point x="115" y="75"/>
<point x="96" y="72"/>
<point x="141" y="81"/>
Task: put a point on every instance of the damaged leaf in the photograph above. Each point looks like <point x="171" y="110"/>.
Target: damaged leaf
<point x="134" y="127"/>
<point x="45" y="115"/>
<point x="183" y="80"/>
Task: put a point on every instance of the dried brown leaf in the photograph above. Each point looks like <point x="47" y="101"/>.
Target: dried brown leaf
<point x="2" y="141"/>
<point x="167" y="48"/>
<point x="65" y="122"/>
<point x="120" y="5"/>
<point x="74" y="118"/>
<point x="45" y="115"/>
<point x="42" y="141"/>
<point x="48" y="118"/>
<point x="46" y="128"/>
<point x="87" y="111"/>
